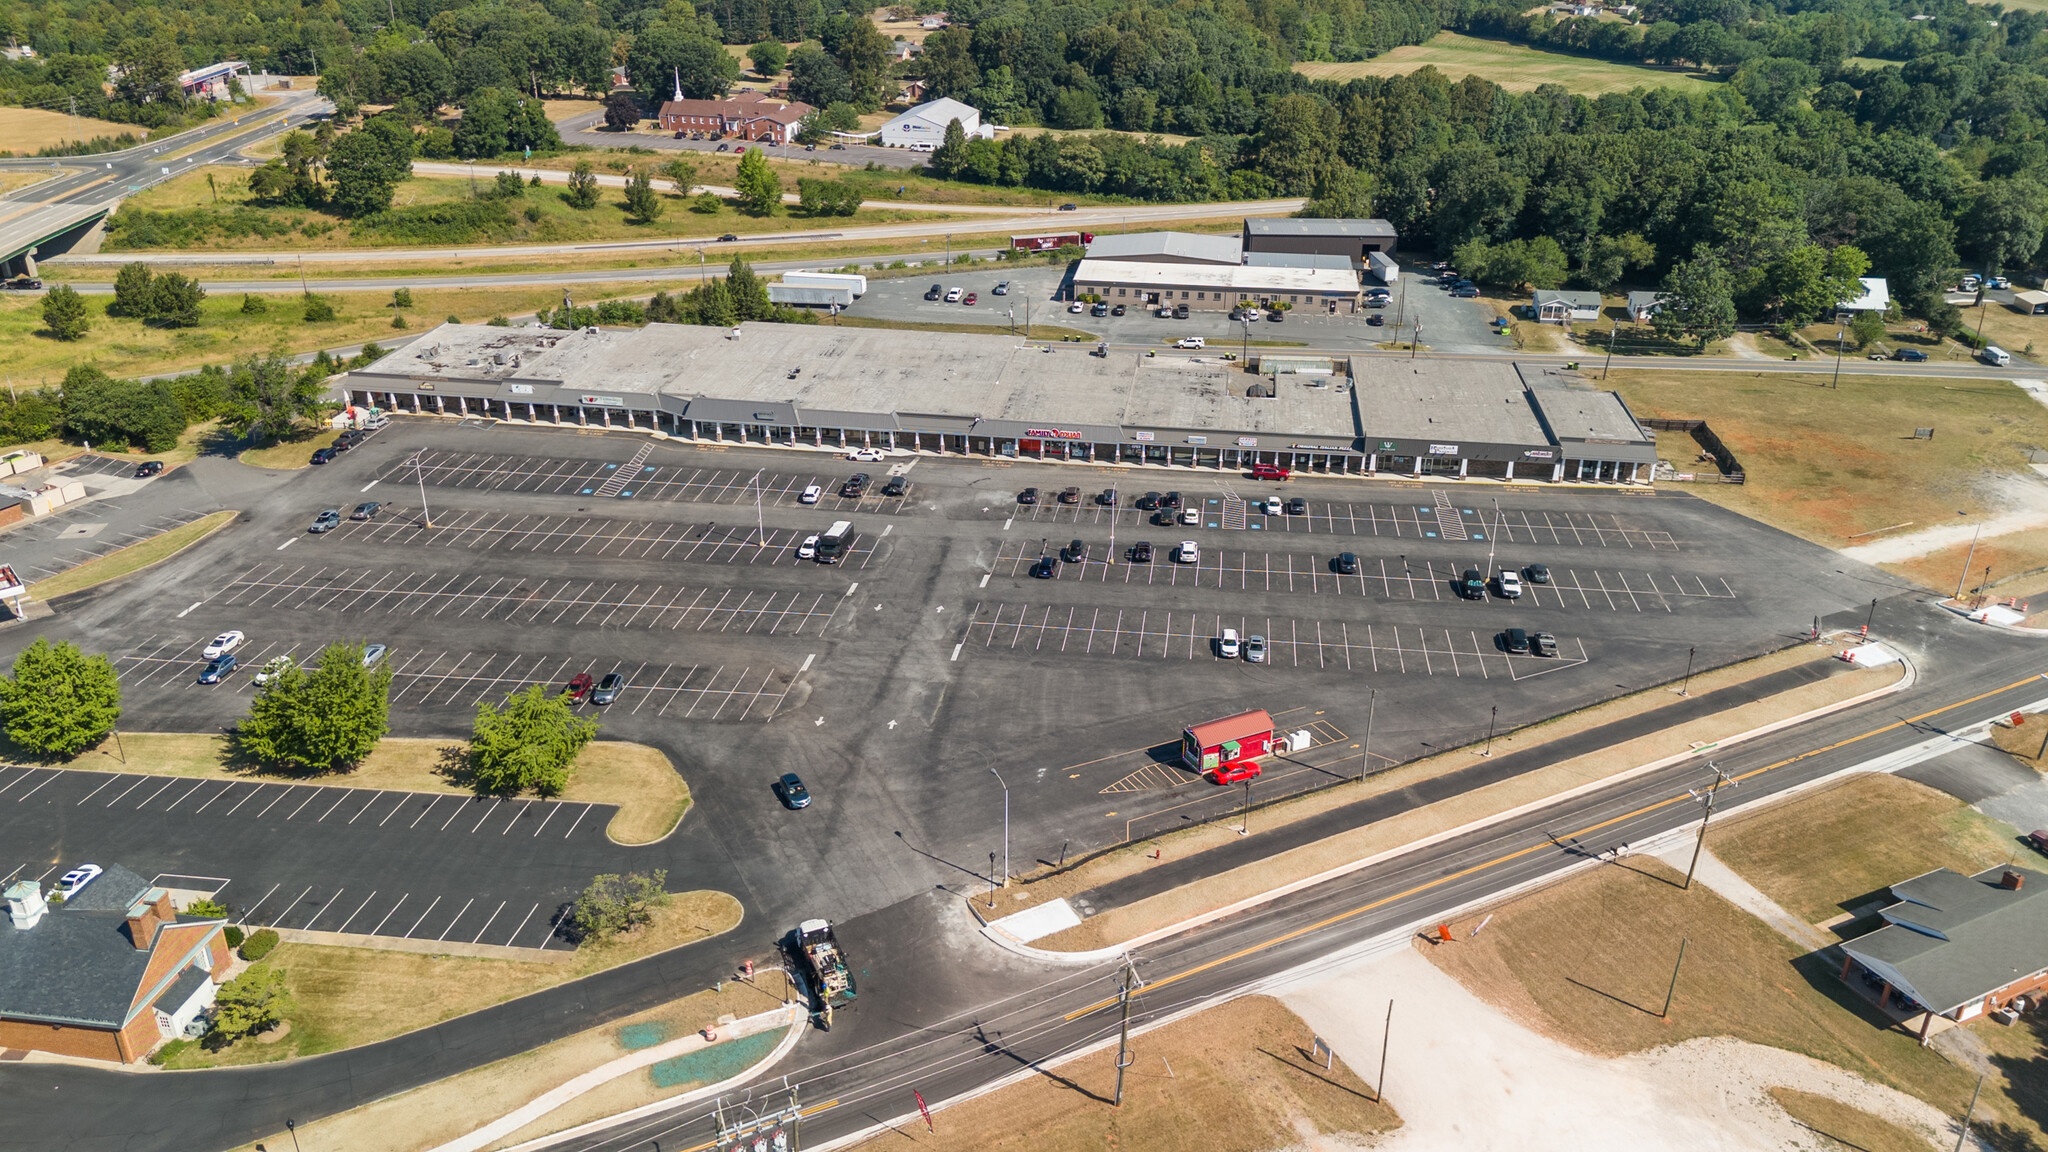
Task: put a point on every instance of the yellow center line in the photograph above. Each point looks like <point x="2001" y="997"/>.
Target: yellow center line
<point x="1499" y="860"/>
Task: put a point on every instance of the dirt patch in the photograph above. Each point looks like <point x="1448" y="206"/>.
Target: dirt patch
<point x="436" y="1113"/>
<point x="1846" y="1127"/>
<point x="346" y="997"/>
<point x="1238" y="1078"/>
<point x="651" y="797"/>
<point x="2026" y="742"/>
<point x="1822" y="855"/>
<point x="1219" y="891"/>
<point x="1831" y="463"/>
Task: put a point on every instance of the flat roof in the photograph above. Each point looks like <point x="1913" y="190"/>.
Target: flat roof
<point x="1183" y="245"/>
<point x="1577" y="411"/>
<point x="1446" y="400"/>
<point x="1232" y="277"/>
<point x="1334" y="261"/>
<point x="1304" y="226"/>
<point x="874" y="372"/>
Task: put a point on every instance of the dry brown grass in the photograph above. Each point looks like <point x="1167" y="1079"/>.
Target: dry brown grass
<point x="1820" y="855"/>
<point x="30" y="130"/>
<point x="2025" y="742"/>
<point x="346" y="997"/>
<point x="639" y="779"/>
<point x="1844" y="1127"/>
<point x="1587" y="961"/>
<point x="560" y="108"/>
<point x="445" y="1109"/>
<point x="1828" y="463"/>
<point x="1233" y="1079"/>
<point x="1242" y="883"/>
<point x="2018" y="564"/>
<point x="14" y="180"/>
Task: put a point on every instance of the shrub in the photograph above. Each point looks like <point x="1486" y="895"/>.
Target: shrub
<point x="258" y="944"/>
<point x="456" y="222"/>
<point x="250" y="1003"/>
<point x="398" y="321"/>
<point x="206" y="909"/>
<point x="454" y="319"/>
<point x="614" y="904"/>
<point x="401" y="298"/>
<point x="254" y="305"/>
<point x="318" y="310"/>
<point x="233" y="935"/>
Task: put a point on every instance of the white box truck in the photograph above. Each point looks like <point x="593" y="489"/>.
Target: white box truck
<point x="859" y="284"/>
<point x="1383" y="266"/>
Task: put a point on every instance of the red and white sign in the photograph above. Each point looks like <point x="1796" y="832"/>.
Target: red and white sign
<point x="1050" y="434"/>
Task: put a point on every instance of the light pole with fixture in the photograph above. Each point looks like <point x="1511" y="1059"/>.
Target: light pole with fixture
<point x="1006" y="826"/>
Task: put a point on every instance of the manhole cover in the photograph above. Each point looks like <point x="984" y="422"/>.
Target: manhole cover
<point x="80" y="531"/>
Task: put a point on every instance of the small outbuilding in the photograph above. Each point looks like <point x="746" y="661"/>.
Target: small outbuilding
<point x="1225" y="747"/>
<point x="1876" y="297"/>
<point x="2032" y="303"/>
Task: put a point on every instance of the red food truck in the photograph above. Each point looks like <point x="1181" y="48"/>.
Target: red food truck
<point x="1226" y="750"/>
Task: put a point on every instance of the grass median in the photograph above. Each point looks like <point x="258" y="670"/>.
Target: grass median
<point x="347" y="997"/>
<point x="1248" y="881"/>
<point x="131" y="559"/>
<point x="651" y="797"/>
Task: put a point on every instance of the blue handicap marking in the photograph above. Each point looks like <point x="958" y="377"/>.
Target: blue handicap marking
<point x="611" y="465"/>
<point x="623" y="495"/>
<point x="1255" y="527"/>
<point x="1468" y="511"/>
<point x="1479" y="535"/>
<point x="587" y="491"/>
<point x="1431" y="535"/>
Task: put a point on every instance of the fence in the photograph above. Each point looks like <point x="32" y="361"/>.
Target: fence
<point x="1731" y="468"/>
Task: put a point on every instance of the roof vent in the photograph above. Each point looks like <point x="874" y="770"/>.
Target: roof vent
<point x="2011" y="880"/>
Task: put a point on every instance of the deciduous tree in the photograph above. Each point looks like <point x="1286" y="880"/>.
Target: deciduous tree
<point x="1699" y="300"/>
<point x="759" y="189"/>
<point x="59" y="702"/>
<point x="621" y="111"/>
<point x="529" y="744"/>
<point x="614" y="904"/>
<point x="64" y="313"/>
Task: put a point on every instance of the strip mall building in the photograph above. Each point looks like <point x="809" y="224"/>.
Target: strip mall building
<point x="997" y="396"/>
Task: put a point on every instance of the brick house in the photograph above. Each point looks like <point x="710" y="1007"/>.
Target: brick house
<point x="107" y="974"/>
<point x="1958" y="946"/>
<point x="746" y="115"/>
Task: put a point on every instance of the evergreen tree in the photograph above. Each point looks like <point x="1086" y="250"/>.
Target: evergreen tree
<point x="323" y="720"/>
<point x="64" y="313"/>
<point x="582" y="193"/>
<point x="643" y="203"/>
<point x="530" y="743"/>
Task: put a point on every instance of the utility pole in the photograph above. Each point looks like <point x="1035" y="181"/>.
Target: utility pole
<point x="1965" y="1133"/>
<point x="1967" y="559"/>
<point x="1365" y="767"/>
<point x="1682" y="688"/>
<point x="1610" y="349"/>
<point x="1006" y="825"/>
<point x="1127" y="982"/>
<point x="1244" y="823"/>
<point x="1673" y="989"/>
<point x="1707" y="799"/>
<point x="1841" y="334"/>
<point x="1379" y="1086"/>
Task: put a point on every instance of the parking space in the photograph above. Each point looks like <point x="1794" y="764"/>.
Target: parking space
<point x="576" y="602"/>
<point x="427" y="679"/>
<point x="1338" y="645"/>
<point x="73" y="536"/>
<point x="705" y="543"/>
<point x="489" y="904"/>
<point x="94" y="464"/>
<point x="628" y="480"/>
<point x="1423" y="579"/>
<point x="1446" y="521"/>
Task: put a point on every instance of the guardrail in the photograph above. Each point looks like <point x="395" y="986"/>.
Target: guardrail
<point x="1731" y="468"/>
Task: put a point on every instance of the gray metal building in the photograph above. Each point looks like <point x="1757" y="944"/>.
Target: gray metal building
<point x="1352" y="239"/>
<point x="963" y="394"/>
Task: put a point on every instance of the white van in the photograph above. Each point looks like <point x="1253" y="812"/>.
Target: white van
<point x="924" y="146"/>
<point x="1995" y="356"/>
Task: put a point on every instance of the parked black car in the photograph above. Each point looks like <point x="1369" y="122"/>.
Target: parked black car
<point x="1028" y="496"/>
<point x="896" y="486"/>
<point x="791" y="789"/>
<point x="1046" y="568"/>
<point x="1514" y="641"/>
<point x="1074" y="552"/>
<point x="1346" y="564"/>
<point x="148" y="468"/>
<point x="1141" y="552"/>
<point x="856" y="485"/>
<point x="1148" y="501"/>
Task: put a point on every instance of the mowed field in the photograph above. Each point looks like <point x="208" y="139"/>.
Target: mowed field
<point x="26" y="131"/>
<point x="1512" y="66"/>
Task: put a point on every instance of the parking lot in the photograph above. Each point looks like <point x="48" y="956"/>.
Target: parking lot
<point x="1447" y="324"/>
<point x="890" y="681"/>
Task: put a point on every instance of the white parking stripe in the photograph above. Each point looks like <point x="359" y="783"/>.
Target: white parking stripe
<point x="457" y="920"/>
<point x="387" y="915"/>
<point x="96" y="791"/>
<point x="323" y="907"/>
<point x="54" y="773"/>
<point x="423" y="916"/>
<point x="522" y="925"/>
<point x="359" y="911"/>
<point x="579" y="820"/>
<point x="487" y="924"/>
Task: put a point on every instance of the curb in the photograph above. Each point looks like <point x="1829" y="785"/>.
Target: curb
<point x="2016" y="629"/>
<point x="483" y="1137"/>
<point x="1005" y="940"/>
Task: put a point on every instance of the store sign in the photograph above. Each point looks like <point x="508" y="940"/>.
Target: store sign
<point x="1387" y="446"/>
<point x="1247" y="441"/>
<point x="1142" y="436"/>
<point x="1198" y="439"/>
<point x="423" y="385"/>
<point x="1050" y="434"/>
<point x="1539" y="454"/>
<point x="1323" y="447"/>
<point x="1443" y="449"/>
<point x="607" y="401"/>
<point x="522" y="389"/>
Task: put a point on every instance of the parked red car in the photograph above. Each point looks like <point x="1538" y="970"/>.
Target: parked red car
<point x="579" y="687"/>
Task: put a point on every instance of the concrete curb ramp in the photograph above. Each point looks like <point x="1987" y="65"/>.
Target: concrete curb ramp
<point x="788" y="1016"/>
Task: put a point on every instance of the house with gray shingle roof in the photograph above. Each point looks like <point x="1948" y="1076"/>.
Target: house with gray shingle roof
<point x="1959" y="946"/>
<point x="106" y="974"/>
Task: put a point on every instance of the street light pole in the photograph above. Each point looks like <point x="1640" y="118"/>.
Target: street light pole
<point x="1006" y="825"/>
<point x="1493" y="716"/>
<point x="419" y="472"/>
<point x="1688" y="668"/>
<point x="1365" y="767"/>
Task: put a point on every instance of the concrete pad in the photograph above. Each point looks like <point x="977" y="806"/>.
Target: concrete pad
<point x="1972" y="773"/>
<point x="1043" y="920"/>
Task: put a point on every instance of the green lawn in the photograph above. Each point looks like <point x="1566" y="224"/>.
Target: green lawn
<point x="1512" y="66"/>
<point x="536" y="216"/>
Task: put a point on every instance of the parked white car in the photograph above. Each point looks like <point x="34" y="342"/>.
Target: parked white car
<point x="810" y="494"/>
<point x="1189" y="552"/>
<point x="1190" y="516"/>
<point x="953" y="295"/>
<point x="1227" y="645"/>
<point x="69" y="883"/>
<point x="1274" y="507"/>
<point x="870" y="455"/>
<point x="808" y="550"/>
<point x="1510" y="584"/>
<point x="1255" y="649"/>
<point x="223" y="644"/>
